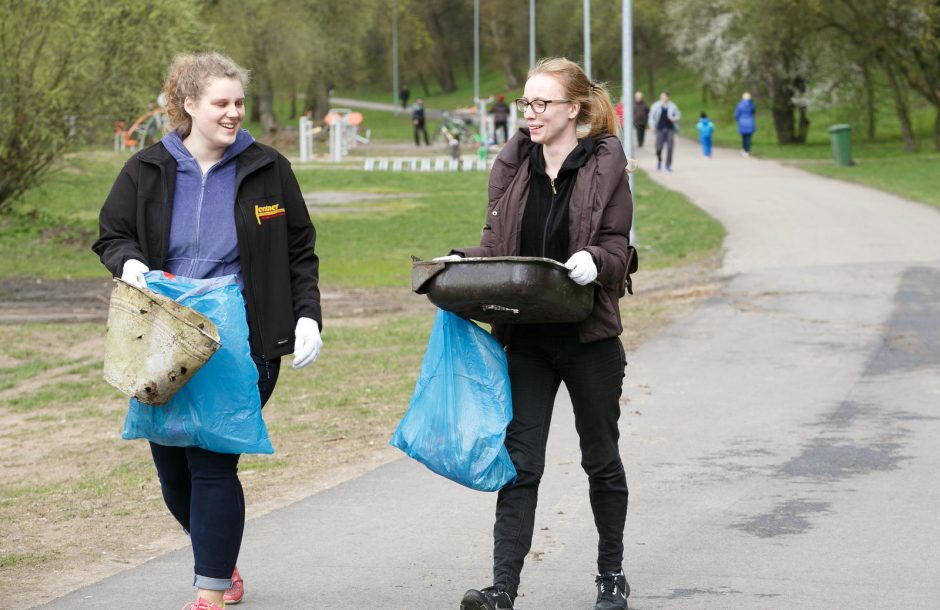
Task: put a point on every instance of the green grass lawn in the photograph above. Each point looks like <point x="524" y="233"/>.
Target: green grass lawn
<point x="915" y="177"/>
<point x="361" y="244"/>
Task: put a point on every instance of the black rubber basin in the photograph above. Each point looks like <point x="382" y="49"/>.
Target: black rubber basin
<point x="508" y="289"/>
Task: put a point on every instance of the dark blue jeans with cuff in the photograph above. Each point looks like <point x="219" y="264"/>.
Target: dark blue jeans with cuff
<point x="202" y="491"/>
<point x="540" y="358"/>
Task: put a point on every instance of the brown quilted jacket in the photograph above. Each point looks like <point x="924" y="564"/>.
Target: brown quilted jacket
<point x="599" y="217"/>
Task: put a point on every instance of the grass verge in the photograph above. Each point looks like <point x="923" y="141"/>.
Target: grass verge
<point x="915" y="177"/>
<point x="361" y="244"/>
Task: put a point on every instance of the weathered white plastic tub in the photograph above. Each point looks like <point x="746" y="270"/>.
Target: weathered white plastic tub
<point x="154" y="344"/>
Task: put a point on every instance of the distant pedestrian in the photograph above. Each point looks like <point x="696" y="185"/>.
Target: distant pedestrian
<point x="744" y="115"/>
<point x="641" y="114"/>
<point x="417" y="120"/>
<point x="705" y="130"/>
<point x="500" y="112"/>
<point x="664" y="118"/>
<point x="404" y="95"/>
<point x="189" y="205"/>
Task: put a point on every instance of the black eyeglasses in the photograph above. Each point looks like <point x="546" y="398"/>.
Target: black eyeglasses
<point x="538" y="106"/>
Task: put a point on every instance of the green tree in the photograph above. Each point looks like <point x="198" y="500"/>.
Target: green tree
<point x="902" y="37"/>
<point x="753" y="43"/>
<point x="504" y="36"/>
<point x="67" y="64"/>
<point x="651" y="49"/>
<point x="293" y="47"/>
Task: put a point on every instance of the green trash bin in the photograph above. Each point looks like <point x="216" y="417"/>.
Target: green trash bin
<point x="841" y="137"/>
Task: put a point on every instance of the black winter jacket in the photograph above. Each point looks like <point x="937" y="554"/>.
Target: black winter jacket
<point x="275" y="237"/>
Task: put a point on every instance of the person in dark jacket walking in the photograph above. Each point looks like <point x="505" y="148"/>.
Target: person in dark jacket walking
<point x="641" y="114"/>
<point x="207" y="201"/>
<point x="500" y="111"/>
<point x="417" y="120"/>
<point x="744" y="115"/>
<point x="404" y="95"/>
<point x="559" y="190"/>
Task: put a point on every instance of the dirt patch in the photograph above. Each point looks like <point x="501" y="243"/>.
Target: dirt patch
<point x="24" y="301"/>
<point x="63" y="542"/>
<point x="342" y="201"/>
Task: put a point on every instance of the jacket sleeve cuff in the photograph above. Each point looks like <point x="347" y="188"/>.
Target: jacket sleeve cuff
<point x="312" y="312"/>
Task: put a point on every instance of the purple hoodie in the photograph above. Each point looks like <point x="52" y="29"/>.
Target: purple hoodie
<point x="203" y="242"/>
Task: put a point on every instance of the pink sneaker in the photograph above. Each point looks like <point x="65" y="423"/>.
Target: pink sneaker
<point x="237" y="592"/>
<point x="202" y="604"/>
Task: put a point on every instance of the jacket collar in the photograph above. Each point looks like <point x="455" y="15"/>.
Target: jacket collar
<point x="254" y="157"/>
<point x="575" y="160"/>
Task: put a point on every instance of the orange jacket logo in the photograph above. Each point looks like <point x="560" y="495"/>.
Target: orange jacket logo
<point x="266" y="212"/>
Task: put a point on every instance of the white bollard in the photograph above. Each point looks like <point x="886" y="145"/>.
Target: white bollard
<point x="336" y="141"/>
<point x="304" y="128"/>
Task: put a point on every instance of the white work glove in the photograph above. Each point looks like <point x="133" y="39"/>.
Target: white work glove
<point x="133" y="273"/>
<point x="581" y="267"/>
<point x="447" y="259"/>
<point x="307" y="342"/>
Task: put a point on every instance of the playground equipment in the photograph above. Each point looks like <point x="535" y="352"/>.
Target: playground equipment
<point x="343" y="134"/>
<point x="456" y="130"/>
<point x="146" y="130"/>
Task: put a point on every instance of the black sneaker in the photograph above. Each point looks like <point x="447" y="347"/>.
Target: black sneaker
<point x="490" y="598"/>
<point x="612" y="591"/>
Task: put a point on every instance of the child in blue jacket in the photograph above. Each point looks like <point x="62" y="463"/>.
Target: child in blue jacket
<point x="705" y="130"/>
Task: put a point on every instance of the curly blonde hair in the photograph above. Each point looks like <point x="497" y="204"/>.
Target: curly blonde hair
<point x="188" y="76"/>
<point x="597" y="113"/>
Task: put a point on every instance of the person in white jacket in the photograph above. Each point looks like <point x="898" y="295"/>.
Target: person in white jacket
<point x="664" y="118"/>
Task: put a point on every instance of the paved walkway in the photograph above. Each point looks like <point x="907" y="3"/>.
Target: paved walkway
<point x="341" y="102"/>
<point x="779" y="441"/>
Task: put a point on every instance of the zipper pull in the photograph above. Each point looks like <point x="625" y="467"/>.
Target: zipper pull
<point x="554" y="192"/>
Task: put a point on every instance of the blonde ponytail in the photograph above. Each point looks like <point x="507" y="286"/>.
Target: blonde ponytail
<point x="597" y="116"/>
<point x="601" y="114"/>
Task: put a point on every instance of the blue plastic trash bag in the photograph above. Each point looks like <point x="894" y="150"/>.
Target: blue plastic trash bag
<point x="219" y="409"/>
<point x="462" y="403"/>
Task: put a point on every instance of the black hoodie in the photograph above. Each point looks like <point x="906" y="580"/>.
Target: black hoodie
<point x="545" y="220"/>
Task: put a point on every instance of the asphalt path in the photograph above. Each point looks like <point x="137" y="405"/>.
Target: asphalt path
<point x="779" y="441"/>
<point x="336" y="102"/>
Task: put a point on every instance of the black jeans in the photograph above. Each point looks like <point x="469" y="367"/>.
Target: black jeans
<point x="640" y="134"/>
<point x="539" y="360"/>
<point x="420" y="129"/>
<point x="202" y="491"/>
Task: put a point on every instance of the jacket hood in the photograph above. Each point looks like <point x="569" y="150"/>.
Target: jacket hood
<point x="174" y="145"/>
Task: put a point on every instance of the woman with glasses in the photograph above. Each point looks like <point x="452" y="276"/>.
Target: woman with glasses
<point x="559" y="190"/>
